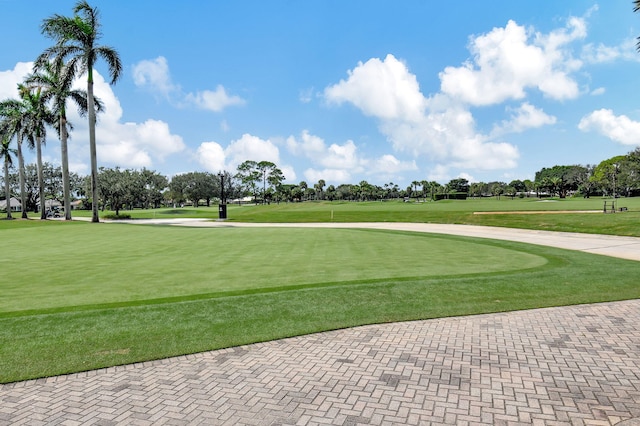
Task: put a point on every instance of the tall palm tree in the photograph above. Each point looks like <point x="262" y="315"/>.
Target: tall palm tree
<point x="36" y="117"/>
<point x="56" y="81"/>
<point x="12" y="114"/>
<point x="6" y="153"/>
<point x="76" y="39"/>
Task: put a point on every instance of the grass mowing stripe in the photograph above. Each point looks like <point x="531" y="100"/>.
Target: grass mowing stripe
<point x="122" y="264"/>
<point x="43" y="345"/>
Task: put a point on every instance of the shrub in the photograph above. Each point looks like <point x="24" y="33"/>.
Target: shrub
<point x="113" y="216"/>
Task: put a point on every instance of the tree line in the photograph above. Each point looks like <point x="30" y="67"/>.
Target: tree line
<point x="263" y="182"/>
<point x="44" y="95"/>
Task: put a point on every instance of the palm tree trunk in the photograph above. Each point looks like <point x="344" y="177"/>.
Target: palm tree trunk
<point x="23" y="195"/>
<point x="65" y="167"/>
<point x="43" y="213"/>
<point x="92" y="148"/>
<point x="7" y="193"/>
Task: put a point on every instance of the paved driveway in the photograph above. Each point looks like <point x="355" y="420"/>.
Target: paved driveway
<point x="575" y="365"/>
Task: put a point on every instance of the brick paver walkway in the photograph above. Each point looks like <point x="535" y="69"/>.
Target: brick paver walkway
<point x="571" y="365"/>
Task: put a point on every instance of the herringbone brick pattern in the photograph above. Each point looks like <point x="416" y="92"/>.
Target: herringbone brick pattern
<point x="561" y="366"/>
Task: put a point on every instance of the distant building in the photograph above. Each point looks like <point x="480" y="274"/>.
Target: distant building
<point x="14" y="204"/>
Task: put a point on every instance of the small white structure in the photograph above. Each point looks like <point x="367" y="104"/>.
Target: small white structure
<point x="51" y="204"/>
<point x="14" y="204"/>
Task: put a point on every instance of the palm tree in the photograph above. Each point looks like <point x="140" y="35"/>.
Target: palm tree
<point x="6" y="152"/>
<point x="76" y="39"/>
<point x="56" y="81"/>
<point x="319" y="187"/>
<point x="636" y="8"/>
<point x="12" y="113"/>
<point x="36" y="117"/>
<point x="415" y="184"/>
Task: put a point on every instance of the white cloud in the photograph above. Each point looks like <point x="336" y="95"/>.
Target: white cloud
<point x="335" y="156"/>
<point x="328" y="175"/>
<point x="10" y="79"/>
<point x="216" y="100"/>
<point x="467" y="176"/>
<point x="128" y="144"/>
<point x="309" y="145"/>
<point x="338" y="162"/>
<point x="342" y="156"/>
<point x="396" y="96"/>
<point x="522" y="118"/>
<point x="211" y="156"/>
<point x="250" y="147"/>
<point x="440" y="173"/>
<point x="506" y="62"/>
<point x="600" y="53"/>
<point x="154" y="74"/>
<point x="306" y="95"/>
<point x="509" y="60"/>
<point x="389" y="164"/>
<point x="598" y="91"/>
<point x="617" y="128"/>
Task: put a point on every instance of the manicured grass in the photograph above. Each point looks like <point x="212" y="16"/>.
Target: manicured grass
<point x="88" y="264"/>
<point x="445" y="211"/>
<point x="108" y="294"/>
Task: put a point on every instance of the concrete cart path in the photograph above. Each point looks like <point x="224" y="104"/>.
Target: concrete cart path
<point x="577" y="365"/>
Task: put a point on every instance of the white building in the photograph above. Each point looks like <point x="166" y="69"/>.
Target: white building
<point x="14" y="203"/>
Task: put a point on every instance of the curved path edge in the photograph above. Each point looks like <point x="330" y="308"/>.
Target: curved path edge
<point x="608" y="245"/>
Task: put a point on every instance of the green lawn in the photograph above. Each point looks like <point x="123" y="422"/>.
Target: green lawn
<point x="124" y="263"/>
<point x="445" y="211"/>
<point x="78" y="296"/>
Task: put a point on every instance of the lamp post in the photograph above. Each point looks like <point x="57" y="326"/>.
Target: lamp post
<point x="222" y="207"/>
<point x="615" y="172"/>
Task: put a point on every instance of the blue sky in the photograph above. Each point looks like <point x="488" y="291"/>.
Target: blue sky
<point x="345" y="91"/>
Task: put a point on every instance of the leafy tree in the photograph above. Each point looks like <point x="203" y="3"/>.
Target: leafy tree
<point x="76" y="39"/>
<point x="194" y="186"/>
<point x="153" y="186"/>
<point x="458" y="185"/>
<point x="331" y="193"/>
<point x="319" y="189"/>
<point x="518" y="185"/>
<point x="271" y="174"/>
<point x="309" y="193"/>
<point x="177" y="188"/>
<point x="614" y="174"/>
<point x="560" y="180"/>
<point x="496" y="188"/>
<point x="479" y="189"/>
<point x="511" y="191"/>
<point x="115" y="188"/>
<point x="29" y="183"/>
<point x="201" y="186"/>
<point x="250" y="173"/>
<point x="296" y="193"/>
<point x="52" y="182"/>
<point x="249" y="176"/>
<point x="346" y="191"/>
